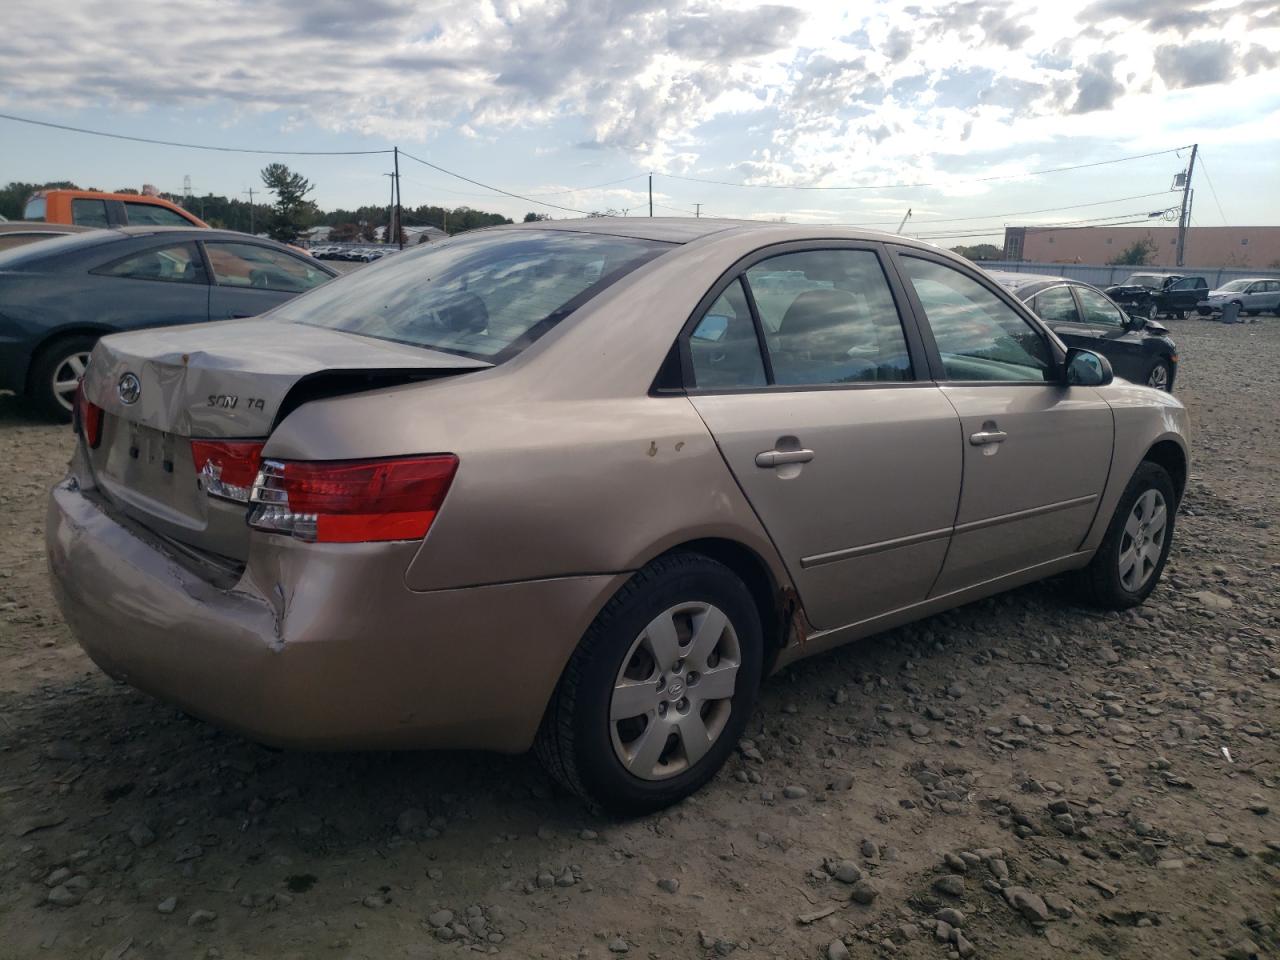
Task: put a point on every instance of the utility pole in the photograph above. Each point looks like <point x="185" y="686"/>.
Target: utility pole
<point x="1184" y="218"/>
<point x="399" y="213"/>
<point x="651" y="194"/>
<point x="250" y="193"/>
<point x="697" y="210"/>
<point x="904" y="220"/>
<point x="391" y="206"/>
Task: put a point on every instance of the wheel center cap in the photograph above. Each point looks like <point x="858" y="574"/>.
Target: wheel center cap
<point x="675" y="688"/>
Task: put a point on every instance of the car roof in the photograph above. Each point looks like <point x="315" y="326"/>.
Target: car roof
<point x="74" y="242"/>
<point x="689" y="229"/>
<point x="40" y="226"/>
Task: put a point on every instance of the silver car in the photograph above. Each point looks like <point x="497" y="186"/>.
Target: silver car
<point x="1252" y="295"/>
<point x="585" y="484"/>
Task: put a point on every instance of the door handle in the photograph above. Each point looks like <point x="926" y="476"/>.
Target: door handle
<point x="987" y="436"/>
<point x="776" y="458"/>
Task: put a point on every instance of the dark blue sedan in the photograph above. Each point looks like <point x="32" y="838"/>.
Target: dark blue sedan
<point x="58" y="297"/>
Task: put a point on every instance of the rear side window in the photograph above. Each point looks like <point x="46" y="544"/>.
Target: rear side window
<point x="89" y="213"/>
<point x="487" y="295"/>
<point x="249" y="265"/>
<point x="152" y="214"/>
<point x="35" y="209"/>
<point x="1056" y="305"/>
<point x="176" y="263"/>
<point x="724" y="346"/>
<point x="979" y="336"/>
<point x="828" y="317"/>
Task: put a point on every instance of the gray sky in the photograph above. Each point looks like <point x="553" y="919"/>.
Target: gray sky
<point x="548" y="99"/>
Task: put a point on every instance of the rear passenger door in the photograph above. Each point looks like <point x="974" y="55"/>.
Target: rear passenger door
<point x="819" y="398"/>
<point x="1036" y="451"/>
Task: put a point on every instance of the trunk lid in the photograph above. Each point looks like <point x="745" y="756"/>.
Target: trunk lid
<point x="229" y="380"/>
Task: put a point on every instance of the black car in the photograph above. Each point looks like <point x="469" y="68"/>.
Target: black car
<point x="59" y="296"/>
<point x="1139" y="349"/>
<point x="1152" y="294"/>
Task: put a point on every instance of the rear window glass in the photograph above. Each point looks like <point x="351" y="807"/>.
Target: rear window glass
<point x="35" y="209"/>
<point x="152" y="214"/>
<point x="488" y="295"/>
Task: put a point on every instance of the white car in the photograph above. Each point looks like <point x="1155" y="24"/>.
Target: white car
<point x="1253" y="294"/>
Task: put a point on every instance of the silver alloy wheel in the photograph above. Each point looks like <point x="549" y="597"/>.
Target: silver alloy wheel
<point x="1151" y="311"/>
<point x="1159" y="377"/>
<point x="66" y="376"/>
<point x="1143" y="540"/>
<point x="674" y="693"/>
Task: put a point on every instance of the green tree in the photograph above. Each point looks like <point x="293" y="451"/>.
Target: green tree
<point x="1137" y="254"/>
<point x="532" y="217"/>
<point x="292" y="212"/>
<point x="979" y="251"/>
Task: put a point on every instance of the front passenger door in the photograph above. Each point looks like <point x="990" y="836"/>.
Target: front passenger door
<point x="1036" y="452"/>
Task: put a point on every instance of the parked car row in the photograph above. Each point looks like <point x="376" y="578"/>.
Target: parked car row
<point x="583" y="485"/>
<point x="1139" y="348"/>
<point x="1252" y="295"/>
<point x="355" y="254"/>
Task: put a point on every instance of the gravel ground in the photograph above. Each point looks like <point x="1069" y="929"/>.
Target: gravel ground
<point x="1019" y="778"/>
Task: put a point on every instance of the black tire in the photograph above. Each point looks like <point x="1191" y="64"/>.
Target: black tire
<point x="1159" y="376"/>
<point x="48" y="361"/>
<point x="1179" y="314"/>
<point x="1151" y="312"/>
<point x="1252" y="313"/>
<point x="1204" y="311"/>
<point x="1099" y="584"/>
<point x="575" y="741"/>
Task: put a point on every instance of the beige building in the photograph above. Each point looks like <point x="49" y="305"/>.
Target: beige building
<point x="1257" y="247"/>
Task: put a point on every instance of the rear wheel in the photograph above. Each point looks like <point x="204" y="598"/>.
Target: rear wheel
<point x="653" y="700"/>
<point x="1252" y="313"/>
<point x="55" y="372"/>
<point x="1129" y="562"/>
<point x="1159" y="375"/>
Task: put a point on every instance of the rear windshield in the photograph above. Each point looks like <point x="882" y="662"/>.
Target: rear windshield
<point x="34" y="209"/>
<point x="487" y="295"/>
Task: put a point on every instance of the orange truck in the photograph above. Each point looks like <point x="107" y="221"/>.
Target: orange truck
<point x="90" y="208"/>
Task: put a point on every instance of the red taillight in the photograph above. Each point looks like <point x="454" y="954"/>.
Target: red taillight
<point x="227" y="468"/>
<point x="351" y="501"/>
<point x="87" y="417"/>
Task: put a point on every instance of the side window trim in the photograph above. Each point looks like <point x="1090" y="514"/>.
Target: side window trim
<point x="897" y="251"/>
<point x="917" y="351"/>
<point x="756" y="322"/>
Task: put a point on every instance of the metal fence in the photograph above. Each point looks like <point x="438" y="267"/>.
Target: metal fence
<point x="1103" y="275"/>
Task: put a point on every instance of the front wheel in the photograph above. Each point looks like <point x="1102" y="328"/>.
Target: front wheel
<point x="657" y="694"/>
<point x="1151" y="311"/>
<point x="1159" y="375"/>
<point x="55" y="374"/>
<point x="1132" y="556"/>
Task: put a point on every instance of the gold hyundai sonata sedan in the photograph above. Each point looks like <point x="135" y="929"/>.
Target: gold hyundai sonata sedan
<point x="582" y="485"/>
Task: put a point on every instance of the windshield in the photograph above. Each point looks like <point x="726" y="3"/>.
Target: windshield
<point x="1149" y="280"/>
<point x="488" y="295"/>
<point x="1235" y="286"/>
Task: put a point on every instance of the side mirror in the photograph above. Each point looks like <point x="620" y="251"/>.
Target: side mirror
<point x="1088" y="369"/>
<point x="1134" y="322"/>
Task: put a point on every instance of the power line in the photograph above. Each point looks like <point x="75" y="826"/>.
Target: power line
<point x="674" y="209"/>
<point x="1017" y="213"/>
<point x="507" y="193"/>
<point x="192" y="146"/>
<point x="595" y="186"/>
<point x="939" y="183"/>
<point x="1112" y="221"/>
<point x="1213" y="192"/>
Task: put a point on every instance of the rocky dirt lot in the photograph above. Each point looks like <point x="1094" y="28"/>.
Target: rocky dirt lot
<point x="1020" y="778"/>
